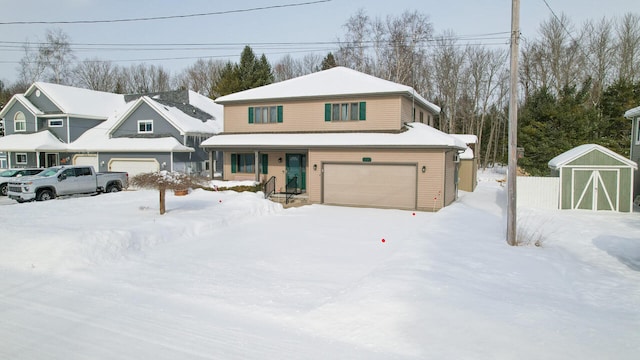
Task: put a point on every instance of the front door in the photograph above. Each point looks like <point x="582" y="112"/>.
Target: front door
<point x="297" y="167"/>
<point x="52" y="160"/>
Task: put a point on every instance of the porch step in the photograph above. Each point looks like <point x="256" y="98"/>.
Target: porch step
<point x="295" y="200"/>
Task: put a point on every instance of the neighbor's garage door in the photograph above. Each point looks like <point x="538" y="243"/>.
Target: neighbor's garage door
<point x="134" y="166"/>
<point x="371" y="185"/>
<point x="85" y="160"/>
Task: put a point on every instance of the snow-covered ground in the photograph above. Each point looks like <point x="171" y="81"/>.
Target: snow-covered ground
<point x="225" y="275"/>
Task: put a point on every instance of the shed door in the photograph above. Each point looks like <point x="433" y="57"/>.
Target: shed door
<point x="595" y="189"/>
<point x="370" y="185"/>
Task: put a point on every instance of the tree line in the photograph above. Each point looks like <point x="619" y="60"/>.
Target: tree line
<point x="575" y="81"/>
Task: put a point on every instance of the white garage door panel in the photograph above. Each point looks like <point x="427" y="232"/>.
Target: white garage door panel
<point x="390" y="186"/>
<point x="86" y="160"/>
<point x="134" y="166"/>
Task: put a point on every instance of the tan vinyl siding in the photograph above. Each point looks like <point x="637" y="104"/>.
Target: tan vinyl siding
<point x="407" y="112"/>
<point x="467" y="175"/>
<point x="430" y="184"/>
<point x="383" y="113"/>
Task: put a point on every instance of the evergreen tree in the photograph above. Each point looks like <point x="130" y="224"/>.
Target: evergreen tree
<point x="328" y="62"/>
<point x="250" y="73"/>
<point x="614" y="129"/>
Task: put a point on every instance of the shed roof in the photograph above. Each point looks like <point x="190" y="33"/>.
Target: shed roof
<point x="337" y="81"/>
<point x="570" y="155"/>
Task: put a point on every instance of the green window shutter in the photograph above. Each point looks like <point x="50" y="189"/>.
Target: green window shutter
<point x="280" y="113"/>
<point x="234" y="163"/>
<point x="327" y="112"/>
<point x="265" y="163"/>
<point x="363" y="111"/>
<point x="250" y="115"/>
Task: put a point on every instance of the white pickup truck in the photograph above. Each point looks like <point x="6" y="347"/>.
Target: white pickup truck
<point x="65" y="180"/>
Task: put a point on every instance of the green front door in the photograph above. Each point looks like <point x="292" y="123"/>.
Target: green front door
<point x="297" y="167"/>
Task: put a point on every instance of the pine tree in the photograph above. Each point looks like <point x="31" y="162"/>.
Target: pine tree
<point x="250" y="73"/>
<point x="328" y="62"/>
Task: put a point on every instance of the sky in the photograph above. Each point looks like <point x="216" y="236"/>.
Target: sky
<point x="227" y="275"/>
<point x="307" y="26"/>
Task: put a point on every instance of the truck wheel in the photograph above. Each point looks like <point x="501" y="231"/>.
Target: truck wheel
<point x="44" y="195"/>
<point x="3" y="189"/>
<point x="112" y="188"/>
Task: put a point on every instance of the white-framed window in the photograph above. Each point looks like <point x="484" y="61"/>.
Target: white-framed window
<point x="55" y="123"/>
<point x="19" y="122"/>
<point x="637" y="131"/>
<point x="21" y="158"/>
<point x="145" y="126"/>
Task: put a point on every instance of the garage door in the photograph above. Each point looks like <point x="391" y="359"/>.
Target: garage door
<point x="86" y="160"/>
<point x="370" y="185"/>
<point x="134" y="166"/>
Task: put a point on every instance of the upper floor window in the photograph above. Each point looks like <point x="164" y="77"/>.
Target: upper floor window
<point x="145" y="126"/>
<point x="55" y="123"/>
<point x="19" y="122"/>
<point x="345" y="111"/>
<point x="265" y="114"/>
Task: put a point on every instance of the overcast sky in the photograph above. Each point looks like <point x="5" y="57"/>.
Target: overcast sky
<point x="319" y="22"/>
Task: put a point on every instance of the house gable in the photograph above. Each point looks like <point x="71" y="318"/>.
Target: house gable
<point x="139" y="113"/>
<point x="10" y="112"/>
<point x="42" y="100"/>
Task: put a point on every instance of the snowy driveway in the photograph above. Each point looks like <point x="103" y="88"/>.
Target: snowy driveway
<point x="233" y="276"/>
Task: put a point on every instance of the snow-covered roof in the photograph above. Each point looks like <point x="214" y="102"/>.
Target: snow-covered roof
<point x="417" y="135"/>
<point x="570" y="155"/>
<point x="98" y="139"/>
<point x="631" y="113"/>
<point x="206" y="104"/>
<point x="181" y="121"/>
<point x="467" y="138"/>
<point x="22" y="100"/>
<point x="77" y="101"/>
<point x="40" y="141"/>
<point x="337" y="81"/>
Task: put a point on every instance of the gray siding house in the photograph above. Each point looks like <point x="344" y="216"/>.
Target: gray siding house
<point x="634" y="115"/>
<point x="54" y="124"/>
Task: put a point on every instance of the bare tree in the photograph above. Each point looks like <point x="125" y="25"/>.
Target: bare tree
<point x="448" y="61"/>
<point x="48" y="60"/>
<point x="600" y="47"/>
<point x="201" y="77"/>
<point x="352" y="51"/>
<point x="96" y="74"/>
<point x="628" y="51"/>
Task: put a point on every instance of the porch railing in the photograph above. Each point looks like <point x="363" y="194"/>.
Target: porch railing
<point x="269" y="187"/>
<point x="291" y="188"/>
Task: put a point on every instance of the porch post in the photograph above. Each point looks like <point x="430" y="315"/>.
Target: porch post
<point x="212" y="164"/>
<point x="37" y="158"/>
<point x="257" y="165"/>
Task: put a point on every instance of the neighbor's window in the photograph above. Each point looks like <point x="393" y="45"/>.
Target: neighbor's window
<point x="19" y="122"/>
<point x="145" y="126"/>
<point x="265" y="114"/>
<point x="345" y="111"/>
<point x="243" y="163"/>
<point x="21" y="158"/>
<point x="55" y="123"/>
<point x="638" y="131"/>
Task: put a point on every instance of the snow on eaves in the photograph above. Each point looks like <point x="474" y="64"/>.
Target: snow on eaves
<point x="77" y="101"/>
<point x="631" y="113"/>
<point x="417" y="135"/>
<point x="337" y="81"/>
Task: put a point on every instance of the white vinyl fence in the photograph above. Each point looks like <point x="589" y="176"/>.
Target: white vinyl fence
<point x="538" y="192"/>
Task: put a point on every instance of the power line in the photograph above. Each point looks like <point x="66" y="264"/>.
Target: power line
<point x="165" y="17"/>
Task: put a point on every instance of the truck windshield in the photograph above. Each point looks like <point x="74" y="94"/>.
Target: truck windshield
<point x="8" y="173"/>
<point x="50" y="171"/>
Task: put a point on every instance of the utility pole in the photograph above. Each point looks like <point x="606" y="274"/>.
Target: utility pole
<point x="513" y="124"/>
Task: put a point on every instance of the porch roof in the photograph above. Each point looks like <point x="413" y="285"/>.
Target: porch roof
<point x="417" y="135"/>
<point x="40" y="141"/>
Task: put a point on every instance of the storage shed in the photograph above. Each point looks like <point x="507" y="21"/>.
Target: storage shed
<point x="593" y="177"/>
<point x="468" y="163"/>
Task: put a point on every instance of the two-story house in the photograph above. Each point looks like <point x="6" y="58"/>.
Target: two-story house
<point x="634" y="116"/>
<point x="55" y="125"/>
<point x="342" y="137"/>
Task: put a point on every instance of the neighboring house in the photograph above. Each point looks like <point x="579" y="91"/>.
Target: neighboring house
<point x="54" y="124"/>
<point x="634" y="115"/>
<point x="468" y="168"/>
<point x="340" y="137"/>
